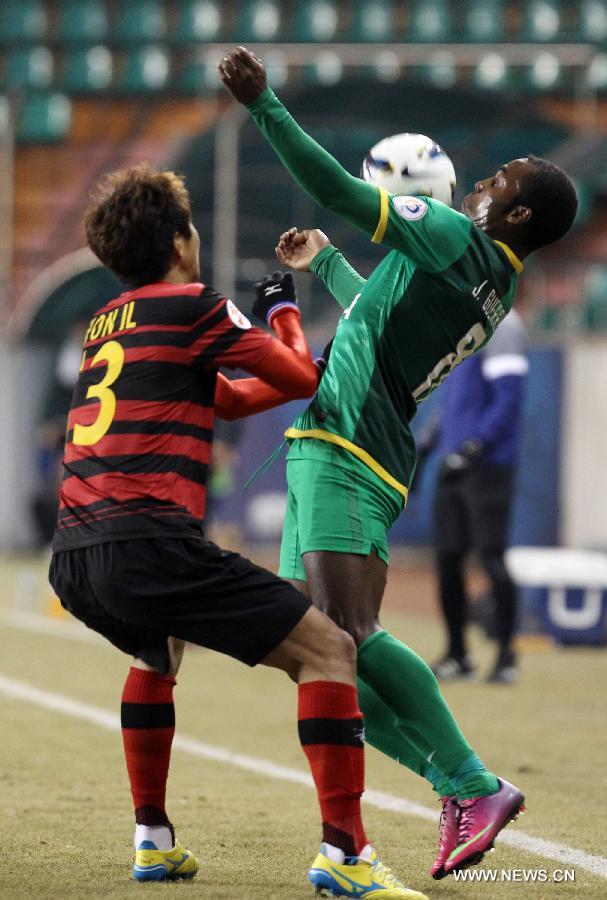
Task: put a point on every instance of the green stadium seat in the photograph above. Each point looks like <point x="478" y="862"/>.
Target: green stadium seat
<point x="29" y="67"/>
<point x="373" y="20"/>
<point x="595" y="75"/>
<point x="386" y="67"/>
<point x="88" y="69"/>
<point x="492" y="72"/>
<point x="198" y="73"/>
<point x="484" y="21"/>
<point x="595" y="298"/>
<point x="546" y="73"/>
<point x="542" y="20"/>
<point x="592" y="20"/>
<point x="258" y="20"/>
<point x="81" y="21"/>
<point x="44" y="118"/>
<point x="277" y="66"/>
<point x="315" y="20"/>
<point x="429" y="21"/>
<point x="440" y="70"/>
<point x="326" y="69"/>
<point x="198" y="20"/>
<point x="25" y="20"/>
<point x="145" y="69"/>
<point x="140" y="21"/>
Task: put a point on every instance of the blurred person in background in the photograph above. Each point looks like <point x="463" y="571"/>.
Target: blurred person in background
<point x="478" y="438"/>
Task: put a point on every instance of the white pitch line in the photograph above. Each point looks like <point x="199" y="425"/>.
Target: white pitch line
<point x="563" y="854"/>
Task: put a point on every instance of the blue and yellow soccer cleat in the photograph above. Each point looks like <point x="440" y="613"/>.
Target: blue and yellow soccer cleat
<point x="364" y="876"/>
<point x="163" y="865"/>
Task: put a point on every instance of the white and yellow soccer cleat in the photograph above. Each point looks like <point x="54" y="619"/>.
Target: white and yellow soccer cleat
<point x="364" y="876"/>
<point x="163" y="865"/>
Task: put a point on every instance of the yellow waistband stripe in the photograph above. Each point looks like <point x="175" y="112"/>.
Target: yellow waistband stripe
<point x="514" y="260"/>
<point x="380" y="231"/>
<point x="358" y="452"/>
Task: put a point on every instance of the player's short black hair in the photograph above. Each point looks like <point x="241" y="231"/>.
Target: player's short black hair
<point x="132" y="220"/>
<point x="551" y="195"/>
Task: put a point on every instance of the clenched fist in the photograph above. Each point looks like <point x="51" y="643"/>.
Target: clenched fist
<point x="297" y="249"/>
<point x="243" y="74"/>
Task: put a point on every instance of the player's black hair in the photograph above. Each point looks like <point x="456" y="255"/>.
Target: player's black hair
<point x="551" y="195"/>
<point x="132" y="220"/>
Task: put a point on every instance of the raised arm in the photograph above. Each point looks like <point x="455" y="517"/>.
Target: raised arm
<point x="315" y="170"/>
<point x="310" y="251"/>
<point x="285" y="372"/>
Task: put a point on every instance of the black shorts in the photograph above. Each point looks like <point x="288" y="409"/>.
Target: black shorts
<point x="472" y="508"/>
<point x="137" y="593"/>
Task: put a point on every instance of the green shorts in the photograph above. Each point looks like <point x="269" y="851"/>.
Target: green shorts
<point x="335" y="502"/>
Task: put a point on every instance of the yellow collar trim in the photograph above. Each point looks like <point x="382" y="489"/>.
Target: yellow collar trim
<point x="514" y="260"/>
<point x="361" y="454"/>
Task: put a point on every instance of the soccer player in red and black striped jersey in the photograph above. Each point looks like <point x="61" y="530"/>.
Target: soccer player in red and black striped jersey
<point x="130" y="557"/>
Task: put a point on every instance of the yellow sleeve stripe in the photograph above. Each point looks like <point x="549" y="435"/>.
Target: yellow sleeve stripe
<point x="361" y="454"/>
<point x="513" y="258"/>
<point x="384" y="209"/>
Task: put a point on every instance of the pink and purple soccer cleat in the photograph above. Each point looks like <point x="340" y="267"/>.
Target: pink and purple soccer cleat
<point x="480" y="821"/>
<point x="448" y="836"/>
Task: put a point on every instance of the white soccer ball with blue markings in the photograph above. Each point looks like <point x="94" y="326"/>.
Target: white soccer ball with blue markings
<point x="411" y="164"/>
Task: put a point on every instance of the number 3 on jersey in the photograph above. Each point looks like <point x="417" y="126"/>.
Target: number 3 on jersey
<point x="111" y="353"/>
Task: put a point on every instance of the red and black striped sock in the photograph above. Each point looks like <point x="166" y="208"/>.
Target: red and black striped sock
<point x="147" y="716"/>
<point x="331" y="734"/>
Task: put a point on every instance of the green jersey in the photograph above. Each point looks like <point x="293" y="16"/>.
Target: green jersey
<point x="434" y="300"/>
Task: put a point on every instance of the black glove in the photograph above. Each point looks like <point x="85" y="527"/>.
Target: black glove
<point x="322" y="361"/>
<point x="275" y="292"/>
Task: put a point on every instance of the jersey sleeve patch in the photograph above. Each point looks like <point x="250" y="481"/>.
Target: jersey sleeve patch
<point x="411" y="208"/>
<point x="236" y="317"/>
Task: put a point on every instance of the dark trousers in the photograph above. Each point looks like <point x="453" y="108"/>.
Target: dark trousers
<point x="472" y="512"/>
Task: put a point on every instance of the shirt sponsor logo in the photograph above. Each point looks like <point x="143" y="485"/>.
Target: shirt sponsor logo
<point x="411" y="208"/>
<point x="236" y="317"/>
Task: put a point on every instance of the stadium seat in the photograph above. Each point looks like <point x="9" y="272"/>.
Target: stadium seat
<point x="88" y="69"/>
<point x="44" y="117"/>
<point x="595" y="75"/>
<point x="326" y="69"/>
<point x="595" y="298"/>
<point x="140" y="21"/>
<point x="258" y="20"/>
<point x="81" y="21"/>
<point x="30" y="67"/>
<point x="22" y="21"/>
<point x="542" y="20"/>
<point x="198" y="20"/>
<point x="145" y="69"/>
<point x="198" y="72"/>
<point x="492" y="72"/>
<point x="440" y="70"/>
<point x="315" y="20"/>
<point x="484" y="20"/>
<point x="545" y="73"/>
<point x="373" y="21"/>
<point x="429" y="20"/>
<point x="592" y="20"/>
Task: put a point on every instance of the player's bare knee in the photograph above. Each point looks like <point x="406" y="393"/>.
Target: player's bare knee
<point x="338" y="652"/>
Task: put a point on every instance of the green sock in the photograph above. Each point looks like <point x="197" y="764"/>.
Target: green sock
<point x="382" y="732"/>
<point x="406" y="684"/>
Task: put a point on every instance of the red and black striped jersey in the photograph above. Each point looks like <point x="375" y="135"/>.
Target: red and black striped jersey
<point x="140" y="427"/>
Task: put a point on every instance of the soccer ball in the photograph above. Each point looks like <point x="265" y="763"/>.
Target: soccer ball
<point x="411" y="164"/>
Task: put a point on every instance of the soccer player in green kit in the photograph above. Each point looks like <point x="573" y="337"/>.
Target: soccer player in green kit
<point x="436" y="298"/>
